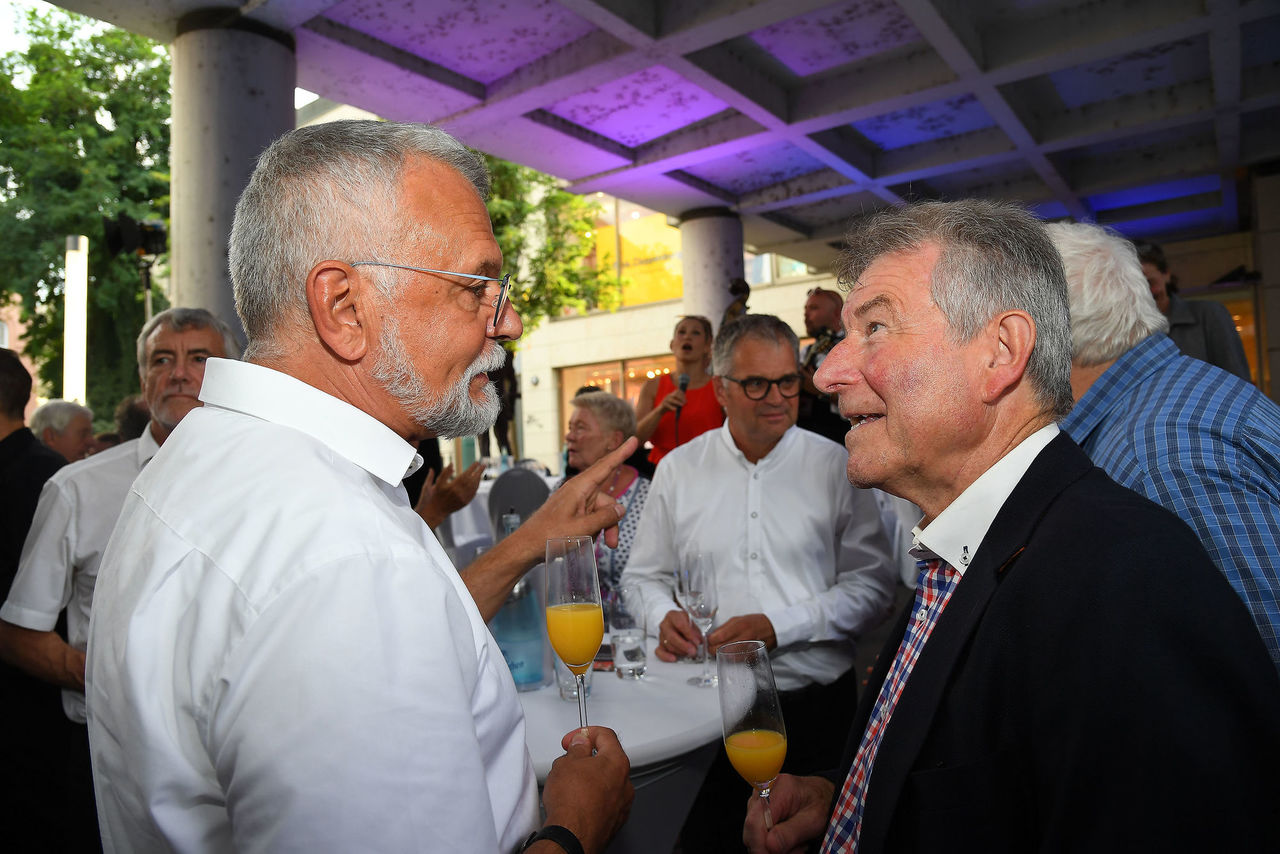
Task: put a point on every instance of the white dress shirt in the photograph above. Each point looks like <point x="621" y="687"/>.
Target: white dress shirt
<point x="959" y="530"/>
<point x="791" y="539"/>
<point x="282" y="658"/>
<point x="78" y="508"/>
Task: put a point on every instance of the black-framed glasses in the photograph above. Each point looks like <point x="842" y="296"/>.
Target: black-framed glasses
<point x="499" y="304"/>
<point x="757" y="388"/>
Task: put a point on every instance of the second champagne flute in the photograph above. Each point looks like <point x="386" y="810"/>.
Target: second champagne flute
<point x="755" y="737"/>
<point x="696" y="593"/>
<point x="575" y="621"/>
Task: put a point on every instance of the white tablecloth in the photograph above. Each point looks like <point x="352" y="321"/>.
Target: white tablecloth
<point x="657" y="718"/>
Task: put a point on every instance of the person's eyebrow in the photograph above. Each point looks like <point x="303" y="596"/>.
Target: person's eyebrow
<point x="880" y="301"/>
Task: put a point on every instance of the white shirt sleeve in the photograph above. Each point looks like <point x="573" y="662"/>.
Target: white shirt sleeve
<point x="42" y="586"/>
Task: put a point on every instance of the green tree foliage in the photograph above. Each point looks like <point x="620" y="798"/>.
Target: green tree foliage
<point x="543" y="232"/>
<point x="84" y="134"/>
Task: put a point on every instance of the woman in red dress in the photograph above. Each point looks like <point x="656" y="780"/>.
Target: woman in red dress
<point x="658" y="421"/>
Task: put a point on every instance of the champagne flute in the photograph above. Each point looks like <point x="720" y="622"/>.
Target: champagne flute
<point x="696" y="593"/>
<point x="754" y="736"/>
<point x="575" y="621"/>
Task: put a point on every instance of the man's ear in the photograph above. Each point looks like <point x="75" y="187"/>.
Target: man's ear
<point x="338" y="299"/>
<point x="1012" y="336"/>
<point x="718" y="385"/>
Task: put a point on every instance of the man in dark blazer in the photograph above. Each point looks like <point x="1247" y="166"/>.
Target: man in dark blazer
<point x="1074" y="675"/>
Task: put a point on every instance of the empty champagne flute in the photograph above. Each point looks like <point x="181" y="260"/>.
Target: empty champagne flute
<point x="755" y="737"/>
<point x="575" y="621"/>
<point x="696" y="593"/>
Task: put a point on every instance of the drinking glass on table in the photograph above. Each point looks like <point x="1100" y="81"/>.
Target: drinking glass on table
<point x="625" y="607"/>
<point x="575" y="621"/>
<point x="754" y="736"/>
<point x="696" y="593"/>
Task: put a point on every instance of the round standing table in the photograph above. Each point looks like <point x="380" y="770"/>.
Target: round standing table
<point x="670" y="730"/>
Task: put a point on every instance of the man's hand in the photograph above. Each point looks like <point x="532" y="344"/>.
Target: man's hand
<point x="589" y="789"/>
<point x="800" y="807"/>
<point x="445" y="494"/>
<point x="44" y="655"/>
<point x="579" y="508"/>
<point x="744" y="627"/>
<point x="678" y="637"/>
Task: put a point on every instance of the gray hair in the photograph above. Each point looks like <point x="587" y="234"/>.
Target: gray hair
<point x="1111" y="304"/>
<point x="612" y="412"/>
<point x="993" y="257"/>
<point x="179" y="319"/>
<point x="758" y="327"/>
<point x="329" y="191"/>
<point x="57" y="415"/>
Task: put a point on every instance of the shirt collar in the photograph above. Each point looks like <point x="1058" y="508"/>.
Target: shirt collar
<point x="147" y="446"/>
<point x="282" y="399"/>
<point x="957" y="533"/>
<point x="1112" y="388"/>
<point x="774" y="453"/>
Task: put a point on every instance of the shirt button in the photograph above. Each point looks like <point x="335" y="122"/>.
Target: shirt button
<point x="753" y="555"/>
<point x="755" y="476"/>
<point x="754" y="514"/>
<point x="921" y="614"/>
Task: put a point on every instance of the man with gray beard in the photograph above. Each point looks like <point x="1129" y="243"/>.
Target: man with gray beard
<point x="282" y="657"/>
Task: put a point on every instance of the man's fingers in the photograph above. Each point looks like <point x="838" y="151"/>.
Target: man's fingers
<point x="602" y="469"/>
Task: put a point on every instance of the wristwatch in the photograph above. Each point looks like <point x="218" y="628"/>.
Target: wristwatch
<point x="561" y="836"/>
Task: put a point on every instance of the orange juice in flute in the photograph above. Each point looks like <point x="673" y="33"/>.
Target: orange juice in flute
<point x="575" y="620"/>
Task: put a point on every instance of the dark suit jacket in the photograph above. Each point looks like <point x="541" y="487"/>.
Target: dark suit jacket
<point x="1092" y="685"/>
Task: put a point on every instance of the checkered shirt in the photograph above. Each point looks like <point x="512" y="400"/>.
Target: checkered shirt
<point x="937" y="580"/>
<point x="1204" y="444"/>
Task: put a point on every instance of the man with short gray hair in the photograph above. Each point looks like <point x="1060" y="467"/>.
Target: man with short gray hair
<point x="78" y="508"/>
<point x="64" y="426"/>
<point x="1066" y="630"/>
<point x="1187" y="434"/>
<point x="283" y="658"/>
<point x="802" y="560"/>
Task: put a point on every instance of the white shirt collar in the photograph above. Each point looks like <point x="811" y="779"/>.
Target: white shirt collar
<point x="147" y="446"/>
<point x="282" y="399"/>
<point x="958" y="531"/>
<point x="726" y="435"/>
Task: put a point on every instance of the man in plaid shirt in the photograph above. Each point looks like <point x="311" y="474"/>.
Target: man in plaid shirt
<point x="1188" y="435"/>
<point x="1075" y="674"/>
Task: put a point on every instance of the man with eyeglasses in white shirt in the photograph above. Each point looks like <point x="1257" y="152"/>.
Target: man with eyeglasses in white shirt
<point x="802" y="561"/>
<point x="284" y="659"/>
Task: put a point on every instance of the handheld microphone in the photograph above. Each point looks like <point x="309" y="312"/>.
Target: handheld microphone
<point x="683" y="382"/>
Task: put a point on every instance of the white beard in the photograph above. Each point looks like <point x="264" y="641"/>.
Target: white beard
<point x="453" y="413"/>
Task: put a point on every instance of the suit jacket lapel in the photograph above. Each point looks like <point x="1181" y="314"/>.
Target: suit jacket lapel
<point x="1060" y="463"/>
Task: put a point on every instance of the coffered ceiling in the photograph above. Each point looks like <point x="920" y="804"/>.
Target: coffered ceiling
<point x="1146" y="115"/>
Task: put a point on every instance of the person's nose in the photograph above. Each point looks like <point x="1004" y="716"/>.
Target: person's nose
<point x="511" y="327"/>
<point x="180" y="371"/>
<point x="837" y="368"/>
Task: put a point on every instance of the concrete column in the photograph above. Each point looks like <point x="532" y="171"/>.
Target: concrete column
<point x="711" y="257"/>
<point x="233" y="82"/>
<point x="1266" y="249"/>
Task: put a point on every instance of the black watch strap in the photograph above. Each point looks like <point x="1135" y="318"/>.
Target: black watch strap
<point x="561" y="836"/>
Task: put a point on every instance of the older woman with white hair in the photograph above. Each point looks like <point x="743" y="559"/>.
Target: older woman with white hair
<point x="600" y="423"/>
